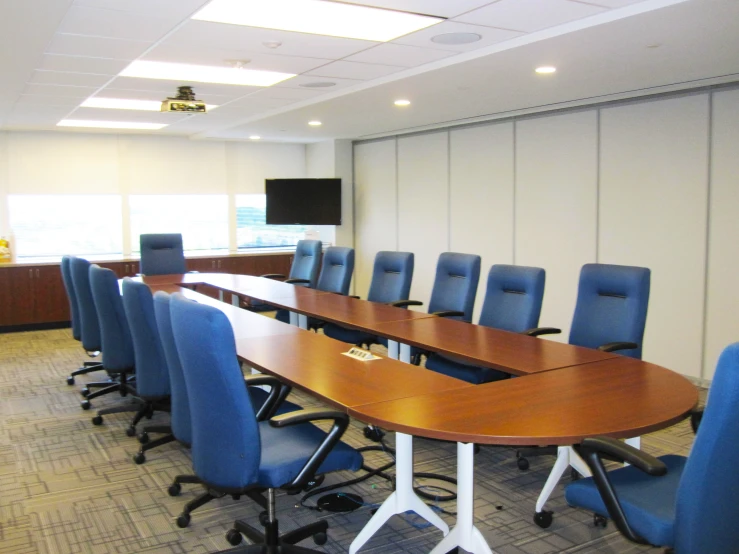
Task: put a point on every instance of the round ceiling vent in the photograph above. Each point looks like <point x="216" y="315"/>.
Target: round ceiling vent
<point x="319" y="84"/>
<point x="456" y="38"/>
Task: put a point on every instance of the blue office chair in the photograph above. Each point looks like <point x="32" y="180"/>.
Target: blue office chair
<point x="453" y="293"/>
<point x="118" y="353"/>
<point x="74" y="312"/>
<point x="162" y="254"/>
<point x="337" y="268"/>
<point x="233" y="452"/>
<point x="513" y="303"/>
<point x="304" y="271"/>
<point x="391" y="283"/>
<point x="152" y="373"/>
<point x="687" y="504"/>
<point x="267" y="404"/>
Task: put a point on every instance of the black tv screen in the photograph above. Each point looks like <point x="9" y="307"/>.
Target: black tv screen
<point x="303" y="201"/>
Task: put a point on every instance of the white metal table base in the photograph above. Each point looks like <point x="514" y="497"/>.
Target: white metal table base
<point x="299" y="320"/>
<point x="465" y="534"/>
<point x="402" y="499"/>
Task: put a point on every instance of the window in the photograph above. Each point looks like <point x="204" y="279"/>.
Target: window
<point x="253" y="232"/>
<point x="55" y="225"/>
<point x="201" y="218"/>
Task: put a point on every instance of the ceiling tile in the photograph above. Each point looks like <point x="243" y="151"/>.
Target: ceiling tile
<point x="96" y="47"/>
<point x="67" y="78"/>
<point x="152" y="8"/>
<point x="42" y="100"/>
<point x="237" y="37"/>
<point x="614" y="3"/>
<point x="355" y="70"/>
<point x="300" y="81"/>
<point x="489" y="36"/>
<point x="153" y="95"/>
<point x="529" y="15"/>
<point x="254" y="102"/>
<point x="169" y="88"/>
<point x="289" y="93"/>
<point x="98" y="114"/>
<point x="59" y="90"/>
<point x="82" y="20"/>
<point x="169" y="52"/>
<point x="398" y="54"/>
<point x="36" y="115"/>
<point x="440" y="8"/>
<point x="79" y="64"/>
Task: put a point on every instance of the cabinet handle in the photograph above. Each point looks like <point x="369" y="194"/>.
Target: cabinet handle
<point x="30" y="273"/>
<point x="219" y="264"/>
<point x="125" y="269"/>
<point x="37" y="273"/>
<point x="213" y="264"/>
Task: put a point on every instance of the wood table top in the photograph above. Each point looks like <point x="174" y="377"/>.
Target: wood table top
<point x="314" y="363"/>
<point x="620" y="397"/>
<point x="513" y="353"/>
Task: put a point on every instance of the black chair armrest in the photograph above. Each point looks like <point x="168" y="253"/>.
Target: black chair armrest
<point x="341" y="422"/>
<point x="615" y="346"/>
<point x="591" y="449"/>
<point x="538" y="331"/>
<point x="297" y="281"/>
<point x="277" y="393"/>
<point x="448" y="313"/>
<point x="273" y="276"/>
<point x="696" y="416"/>
<point x="404" y="303"/>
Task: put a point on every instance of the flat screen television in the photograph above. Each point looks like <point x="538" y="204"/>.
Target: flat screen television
<point x="303" y="201"/>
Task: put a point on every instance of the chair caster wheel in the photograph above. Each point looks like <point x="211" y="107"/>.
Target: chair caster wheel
<point x="85" y="404"/>
<point x="183" y="520"/>
<point x="574" y="474"/>
<point x="139" y="458"/>
<point x="233" y="537"/>
<point x="174" y="489"/>
<point x="543" y="519"/>
<point x="600" y="521"/>
<point x="523" y="463"/>
<point x="131" y="431"/>
<point x="85" y="392"/>
<point x="97" y="420"/>
<point x="320" y="538"/>
<point x="143" y="437"/>
<point x="70" y="380"/>
<point x="374" y="434"/>
<point x="263" y="519"/>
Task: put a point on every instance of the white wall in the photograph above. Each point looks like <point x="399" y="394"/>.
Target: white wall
<point x="4" y="227"/>
<point x="634" y="183"/>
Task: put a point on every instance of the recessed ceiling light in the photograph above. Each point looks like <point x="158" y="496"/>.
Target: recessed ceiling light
<point x="204" y="74"/>
<point x="402" y="102"/>
<point x="110" y="124"/>
<point x="546" y="69"/>
<point x="317" y="17"/>
<point x="127" y="104"/>
<point x="315" y="123"/>
<point x="255" y="137"/>
<point x="318" y="84"/>
<point x="456" y="38"/>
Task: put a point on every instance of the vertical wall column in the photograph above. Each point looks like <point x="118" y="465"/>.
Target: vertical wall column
<point x="4" y="177"/>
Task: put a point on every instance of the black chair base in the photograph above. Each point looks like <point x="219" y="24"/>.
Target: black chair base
<point x="183" y="520"/>
<point x="140" y="457"/>
<point x="87" y="367"/>
<point x="270" y="542"/>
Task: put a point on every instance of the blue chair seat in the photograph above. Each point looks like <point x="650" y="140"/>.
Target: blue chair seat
<point x="465" y="372"/>
<point x="281" y="463"/>
<point x="648" y="502"/>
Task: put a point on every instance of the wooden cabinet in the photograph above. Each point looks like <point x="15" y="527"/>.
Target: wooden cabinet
<point x="122" y="269"/>
<point x="32" y="295"/>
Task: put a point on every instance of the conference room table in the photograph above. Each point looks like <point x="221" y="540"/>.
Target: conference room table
<point x="568" y="393"/>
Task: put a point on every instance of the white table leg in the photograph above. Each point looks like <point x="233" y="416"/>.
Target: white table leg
<point x="465" y="534"/>
<point x="220" y="295"/>
<point x="402" y="500"/>
<point x="398" y="351"/>
<point x="299" y="320"/>
<point x="566" y="457"/>
<point x="235" y="300"/>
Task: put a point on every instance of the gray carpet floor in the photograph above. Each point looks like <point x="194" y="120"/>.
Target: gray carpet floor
<point x="69" y="487"/>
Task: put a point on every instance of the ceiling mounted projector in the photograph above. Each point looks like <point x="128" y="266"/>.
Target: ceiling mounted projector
<point x="184" y="102"/>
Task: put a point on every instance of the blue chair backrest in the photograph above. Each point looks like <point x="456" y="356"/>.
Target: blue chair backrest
<point x="79" y="269"/>
<point x="455" y="285"/>
<point x="391" y="277"/>
<point x="707" y="493"/>
<point x="336" y="270"/>
<point x="114" y="330"/>
<point x="74" y="313"/>
<point x="307" y="261"/>
<point x="226" y="447"/>
<point x="513" y="298"/>
<point x="162" y="254"/>
<point x="612" y="303"/>
<point x="180" y="403"/>
<point x="152" y="374"/>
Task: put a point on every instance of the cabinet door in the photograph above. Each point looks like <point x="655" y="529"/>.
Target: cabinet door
<point x="50" y="303"/>
<point x="16" y="295"/>
<point x="243" y="265"/>
<point x="119" y="268"/>
<point x="279" y="263"/>
<point x="203" y="265"/>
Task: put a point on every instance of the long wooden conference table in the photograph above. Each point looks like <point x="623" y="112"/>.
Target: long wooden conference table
<point x="568" y="393"/>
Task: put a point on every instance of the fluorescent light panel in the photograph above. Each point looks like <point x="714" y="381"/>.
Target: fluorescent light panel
<point x="204" y="74"/>
<point x="127" y="104"/>
<point x="317" y="17"/>
<point x="110" y="124"/>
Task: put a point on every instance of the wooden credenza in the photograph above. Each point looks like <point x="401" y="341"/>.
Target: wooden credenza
<point x="32" y="295"/>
